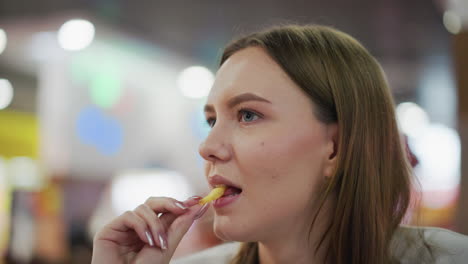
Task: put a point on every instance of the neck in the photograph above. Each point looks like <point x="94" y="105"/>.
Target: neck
<point x="299" y="254"/>
<point x="294" y="245"/>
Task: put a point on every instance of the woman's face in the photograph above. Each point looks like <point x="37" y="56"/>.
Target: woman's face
<point x="265" y="140"/>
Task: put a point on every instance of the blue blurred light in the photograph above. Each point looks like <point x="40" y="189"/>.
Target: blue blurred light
<point x="101" y="131"/>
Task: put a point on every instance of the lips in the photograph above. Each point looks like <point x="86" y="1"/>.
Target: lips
<point x="232" y="188"/>
<point x="216" y="180"/>
<point x="230" y="196"/>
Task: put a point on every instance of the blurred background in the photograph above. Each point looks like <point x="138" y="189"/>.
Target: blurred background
<point x="101" y="107"/>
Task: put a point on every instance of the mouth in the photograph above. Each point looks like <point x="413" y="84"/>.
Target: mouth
<point x="230" y="196"/>
<point x="231" y="193"/>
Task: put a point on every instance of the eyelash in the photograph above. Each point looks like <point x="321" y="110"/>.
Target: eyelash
<point x="212" y="121"/>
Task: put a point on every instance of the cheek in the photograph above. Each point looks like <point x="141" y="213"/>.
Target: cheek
<point x="275" y="157"/>
<point x="279" y="178"/>
<point x="286" y="171"/>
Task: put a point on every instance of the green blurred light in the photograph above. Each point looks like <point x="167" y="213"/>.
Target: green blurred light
<point x="105" y="88"/>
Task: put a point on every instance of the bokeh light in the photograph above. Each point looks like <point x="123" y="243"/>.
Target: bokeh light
<point x="25" y="174"/>
<point x="439" y="152"/>
<point x="195" y="81"/>
<point x="97" y="129"/>
<point x="3" y="40"/>
<point x="105" y="88"/>
<point x="6" y="93"/>
<point x="452" y="22"/>
<point x="132" y="188"/>
<point x="76" y="34"/>
<point x="412" y="119"/>
<point x="438" y="149"/>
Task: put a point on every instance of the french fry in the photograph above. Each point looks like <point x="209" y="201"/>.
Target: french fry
<point x="214" y="194"/>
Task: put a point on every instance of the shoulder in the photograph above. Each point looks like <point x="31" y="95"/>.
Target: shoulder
<point x="215" y="255"/>
<point x="417" y="244"/>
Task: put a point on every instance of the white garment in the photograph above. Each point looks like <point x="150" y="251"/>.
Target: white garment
<point x="407" y="246"/>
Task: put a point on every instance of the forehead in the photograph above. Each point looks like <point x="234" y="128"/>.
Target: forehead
<point x="249" y="70"/>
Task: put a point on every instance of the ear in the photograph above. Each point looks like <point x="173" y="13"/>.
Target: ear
<point x="331" y="149"/>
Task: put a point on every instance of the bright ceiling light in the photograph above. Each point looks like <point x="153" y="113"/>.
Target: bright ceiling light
<point x="452" y="22"/>
<point x="3" y="40"/>
<point x="6" y="93"/>
<point x="195" y="81"/>
<point x="412" y="119"/>
<point x="76" y="34"/>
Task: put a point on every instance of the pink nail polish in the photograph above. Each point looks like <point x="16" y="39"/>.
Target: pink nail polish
<point x="162" y="241"/>
<point x="191" y="201"/>
<point x="195" y="197"/>
<point x="150" y="238"/>
<point x="180" y="205"/>
<point x="201" y="211"/>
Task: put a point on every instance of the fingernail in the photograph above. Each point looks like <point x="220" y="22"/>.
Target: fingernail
<point x="195" y="197"/>
<point x="201" y="211"/>
<point x="180" y="205"/>
<point x="150" y="238"/>
<point x="191" y="201"/>
<point x="162" y="241"/>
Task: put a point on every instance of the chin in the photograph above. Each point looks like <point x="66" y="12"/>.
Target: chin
<point x="228" y="230"/>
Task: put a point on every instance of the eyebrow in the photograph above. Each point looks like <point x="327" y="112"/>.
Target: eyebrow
<point x="245" y="97"/>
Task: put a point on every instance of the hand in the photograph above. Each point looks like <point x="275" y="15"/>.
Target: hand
<point x="148" y="234"/>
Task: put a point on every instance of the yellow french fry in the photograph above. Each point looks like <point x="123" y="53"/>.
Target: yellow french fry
<point x="214" y="194"/>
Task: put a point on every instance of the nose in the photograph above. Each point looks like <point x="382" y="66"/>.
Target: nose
<point x="215" y="147"/>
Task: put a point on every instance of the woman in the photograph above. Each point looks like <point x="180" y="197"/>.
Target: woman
<point x="303" y="133"/>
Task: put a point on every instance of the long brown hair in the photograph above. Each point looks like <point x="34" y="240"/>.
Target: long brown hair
<point x="371" y="183"/>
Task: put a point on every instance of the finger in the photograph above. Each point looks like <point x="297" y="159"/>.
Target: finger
<point x="165" y="205"/>
<point x="168" y="218"/>
<point x="182" y="223"/>
<point x="131" y="221"/>
<point x="152" y="220"/>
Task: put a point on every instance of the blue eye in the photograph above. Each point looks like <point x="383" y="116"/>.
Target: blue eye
<point x="248" y="116"/>
<point x="245" y="115"/>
